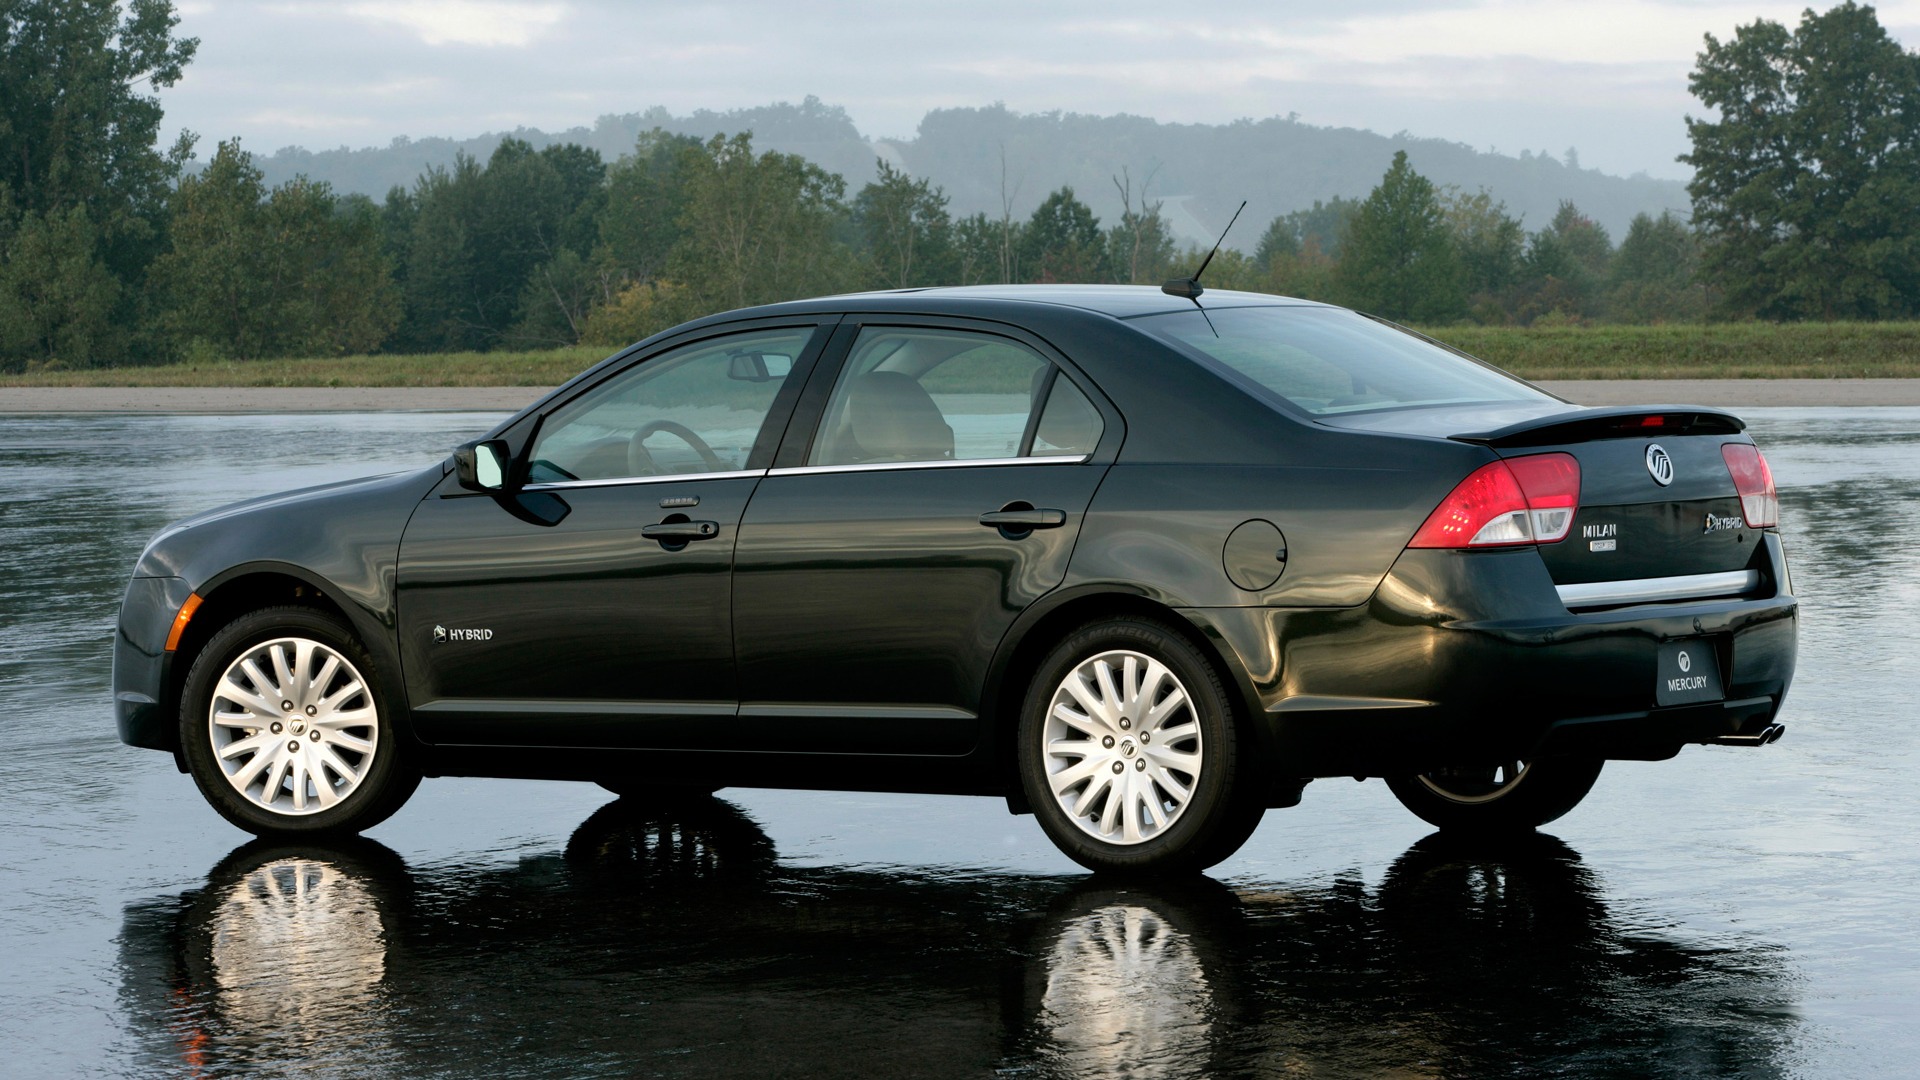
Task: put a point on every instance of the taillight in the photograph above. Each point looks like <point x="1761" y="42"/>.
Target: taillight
<point x="1523" y="500"/>
<point x="1759" y="502"/>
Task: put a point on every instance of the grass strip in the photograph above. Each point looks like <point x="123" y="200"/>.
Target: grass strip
<point x="542" y="368"/>
<point x="1887" y="350"/>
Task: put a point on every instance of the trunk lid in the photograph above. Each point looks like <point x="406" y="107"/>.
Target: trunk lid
<point x="1629" y="526"/>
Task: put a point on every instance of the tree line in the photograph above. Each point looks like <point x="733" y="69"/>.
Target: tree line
<point x="1806" y="206"/>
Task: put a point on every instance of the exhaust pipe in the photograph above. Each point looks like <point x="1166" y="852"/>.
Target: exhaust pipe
<point x="1765" y="735"/>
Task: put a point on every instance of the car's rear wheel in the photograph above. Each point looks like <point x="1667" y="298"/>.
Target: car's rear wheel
<point x="286" y="730"/>
<point x="1508" y="797"/>
<point x="1129" y="753"/>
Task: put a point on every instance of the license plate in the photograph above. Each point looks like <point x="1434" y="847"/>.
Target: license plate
<point x="1686" y="672"/>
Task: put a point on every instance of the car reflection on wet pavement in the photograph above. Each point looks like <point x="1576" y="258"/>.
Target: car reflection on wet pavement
<point x="1731" y="912"/>
<point x="670" y="934"/>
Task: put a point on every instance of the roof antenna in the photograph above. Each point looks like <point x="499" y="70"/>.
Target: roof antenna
<point x="1190" y="287"/>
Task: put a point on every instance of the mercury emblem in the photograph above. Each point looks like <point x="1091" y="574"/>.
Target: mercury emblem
<point x="1659" y="464"/>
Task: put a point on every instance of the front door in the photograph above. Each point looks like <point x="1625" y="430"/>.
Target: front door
<point x="942" y="490"/>
<point x="591" y="604"/>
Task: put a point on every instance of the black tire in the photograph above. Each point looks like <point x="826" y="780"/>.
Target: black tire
<point x="1219" y="812"/>
<point x="1484" y="801"/>
<point x="386" y="775"/>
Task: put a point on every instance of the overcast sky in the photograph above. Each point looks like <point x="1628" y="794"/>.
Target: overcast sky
<point x="1608" y="78"/>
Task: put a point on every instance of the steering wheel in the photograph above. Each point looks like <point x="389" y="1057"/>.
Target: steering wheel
<point x="640" y="462"/>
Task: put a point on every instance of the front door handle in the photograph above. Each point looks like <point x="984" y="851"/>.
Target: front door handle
<point x="680" y="532"/>
<point x="1024" y="520"/>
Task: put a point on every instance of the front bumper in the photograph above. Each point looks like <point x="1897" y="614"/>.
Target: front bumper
<point x="142" y="667"/>
<point x="1470" y="657"/>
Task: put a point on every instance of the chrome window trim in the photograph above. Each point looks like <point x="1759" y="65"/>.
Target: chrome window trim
<point x="1652" y="590"/>
<point x="622" y="481"/>
<point x="885" y="466"/>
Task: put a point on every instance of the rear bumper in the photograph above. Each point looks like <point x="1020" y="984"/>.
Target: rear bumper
<point x="1471" y="657"/>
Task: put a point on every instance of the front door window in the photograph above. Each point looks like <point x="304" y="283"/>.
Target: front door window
<point x="689" y="412"/>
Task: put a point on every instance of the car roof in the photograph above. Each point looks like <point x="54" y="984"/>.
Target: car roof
<point x="1118" y="301"/>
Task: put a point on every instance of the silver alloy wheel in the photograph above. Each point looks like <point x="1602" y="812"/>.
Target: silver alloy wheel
<point x="1471" y="786"/>
<point x="293" y="726"/>
<point x="1122" y="747"/>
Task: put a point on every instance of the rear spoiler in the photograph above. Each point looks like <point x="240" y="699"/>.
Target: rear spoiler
<point x="1616" y="422"/>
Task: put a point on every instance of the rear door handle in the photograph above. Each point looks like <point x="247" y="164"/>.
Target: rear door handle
<point x="681" y="531"/>
<point x="1023" y="520"/>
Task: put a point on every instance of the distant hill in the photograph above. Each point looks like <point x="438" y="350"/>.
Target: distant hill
<point x="1202" y="171"/>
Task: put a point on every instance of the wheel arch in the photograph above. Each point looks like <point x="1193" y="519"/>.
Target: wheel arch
<point x="252" y="586"/>
<point x="1043" y="626"/>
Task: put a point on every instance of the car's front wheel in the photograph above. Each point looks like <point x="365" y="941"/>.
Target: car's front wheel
<point x="1129" y="754"/>
<point x="287" y="732"/>
<point x="1509" y="797"/>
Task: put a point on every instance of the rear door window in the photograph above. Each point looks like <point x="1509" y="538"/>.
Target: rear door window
<point x="924" y="394"/>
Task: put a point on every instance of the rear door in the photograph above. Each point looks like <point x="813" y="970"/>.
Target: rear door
<point x="932" y="488"/>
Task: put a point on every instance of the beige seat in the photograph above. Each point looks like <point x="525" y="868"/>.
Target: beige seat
<point x="890" y="417"/>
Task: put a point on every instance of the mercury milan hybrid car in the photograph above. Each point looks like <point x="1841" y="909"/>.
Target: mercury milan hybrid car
<point x="1143" y="564"/>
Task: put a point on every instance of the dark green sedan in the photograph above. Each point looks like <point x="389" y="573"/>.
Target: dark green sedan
<point x="1142" y="564"/>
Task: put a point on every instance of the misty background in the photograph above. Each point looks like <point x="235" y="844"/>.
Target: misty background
<point x="147" y="216"/>
<point x="1481" y="93"/>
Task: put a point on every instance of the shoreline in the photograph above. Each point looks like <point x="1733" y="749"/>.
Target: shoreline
<point x="34" y="400"/>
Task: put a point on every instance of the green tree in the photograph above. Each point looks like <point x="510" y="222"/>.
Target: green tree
<point x="533" y="209"/>
<point x="217" y="289"/>
<point x="646" y="196"/>
<point x="74" y="128"/>
<point x="756" y="229"/>
<point x="1490" y="244"/>
<point x="1140" y="247"/>
<point x="904" y="230"/>
<point x="982" y="247"/>
<point x="1318" y="228"/>
<point x="333" y="292"/>
<point x="1062" y="241"/>
<point x="1297" y="254"/>
<point x="1564" y="271"/>
<point x="78" y="131"/>
<point x="1397" y="257"/>
<point x="1653" y="276"/>
<point x="1280" y="241"/>
<point x="481" y="235"/>
<point x="57" y="299"/>
<point x="1307" y="274"/>
<point x="443" y="311"/>
<point x="294" y="271"/>
<point x="1806" y="188"/>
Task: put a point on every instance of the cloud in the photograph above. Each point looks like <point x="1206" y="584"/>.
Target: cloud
<point x="1610" y="79"/>
<point x="489" y="23"/>
<point x="304" y="120"/>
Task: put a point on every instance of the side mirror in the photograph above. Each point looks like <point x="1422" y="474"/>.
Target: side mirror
<point x="481" y="465"/>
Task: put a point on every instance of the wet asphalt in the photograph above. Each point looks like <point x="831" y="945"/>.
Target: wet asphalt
<point x="1732" y="912"/>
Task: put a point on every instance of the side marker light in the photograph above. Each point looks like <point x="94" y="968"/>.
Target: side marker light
<point x="180" y="621"/>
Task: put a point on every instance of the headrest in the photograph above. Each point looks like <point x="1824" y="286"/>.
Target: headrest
<point x="892" y="418"/>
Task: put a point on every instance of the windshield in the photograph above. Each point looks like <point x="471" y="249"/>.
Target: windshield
<point x="1329" y="360"/>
